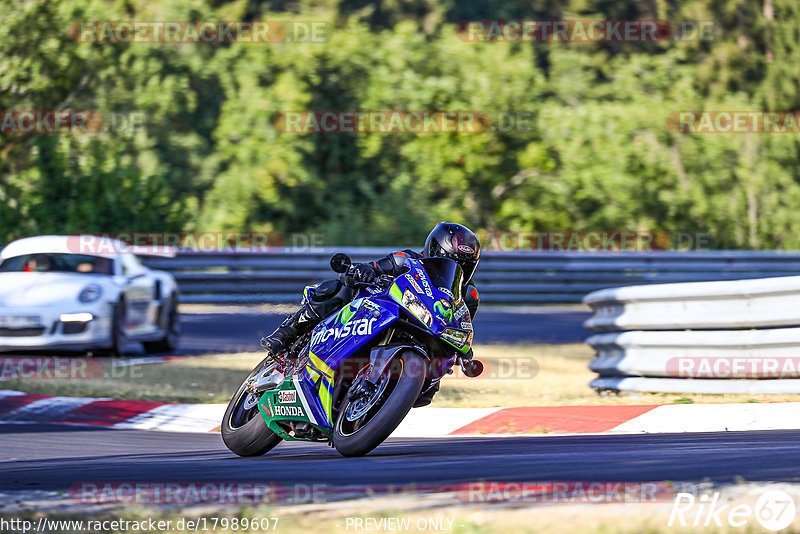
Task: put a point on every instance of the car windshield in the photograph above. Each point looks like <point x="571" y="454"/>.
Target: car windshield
<point x="62" y="263"/>
<point x="445" y="275"/>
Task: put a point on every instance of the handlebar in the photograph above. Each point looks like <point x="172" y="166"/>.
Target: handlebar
<point x="342" y="264"/>
<point x="383" y="281"/>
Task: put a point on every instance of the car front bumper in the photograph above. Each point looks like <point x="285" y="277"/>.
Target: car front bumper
<point x="50" y="332"/>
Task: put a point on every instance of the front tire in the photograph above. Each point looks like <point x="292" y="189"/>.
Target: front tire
<point x="118" y="337"/>
<point x="406" y="375"/>
<point x="172" y="331"/>
<point x="243" y="429"/>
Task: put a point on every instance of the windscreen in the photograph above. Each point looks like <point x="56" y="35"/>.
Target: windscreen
<point x="445" y="274"/>
<point x="60" y="263"/>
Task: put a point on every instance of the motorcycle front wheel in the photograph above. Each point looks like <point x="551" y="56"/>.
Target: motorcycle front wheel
<point x="366" y="421"/>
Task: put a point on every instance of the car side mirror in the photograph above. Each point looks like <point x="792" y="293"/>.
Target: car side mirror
<point x="340" y="262"/>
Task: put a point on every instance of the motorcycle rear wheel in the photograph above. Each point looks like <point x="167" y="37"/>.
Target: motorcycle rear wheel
<point x="243" y="429"/>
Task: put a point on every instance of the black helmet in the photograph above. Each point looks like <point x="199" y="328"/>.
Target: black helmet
<point x="457" y="242"/>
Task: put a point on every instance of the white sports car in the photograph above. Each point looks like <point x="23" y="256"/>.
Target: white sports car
<point x="58" y="293"/>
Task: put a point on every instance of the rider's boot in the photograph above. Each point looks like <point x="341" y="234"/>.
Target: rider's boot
<point x="294" y="326"/>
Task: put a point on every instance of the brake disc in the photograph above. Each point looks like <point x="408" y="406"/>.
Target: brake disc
<point x="359" y="406"/>
<point x="250" y="401"/>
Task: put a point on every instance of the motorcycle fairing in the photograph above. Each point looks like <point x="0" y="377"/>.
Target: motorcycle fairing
<point x="294" y="400"/>
<point x="334" y="340"/>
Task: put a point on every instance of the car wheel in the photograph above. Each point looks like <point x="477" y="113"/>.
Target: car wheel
<point x="172" y="331"/>
<point x="118" y="338"/>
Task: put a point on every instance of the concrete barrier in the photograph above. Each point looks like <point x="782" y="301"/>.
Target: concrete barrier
<point x="707" y="337"/>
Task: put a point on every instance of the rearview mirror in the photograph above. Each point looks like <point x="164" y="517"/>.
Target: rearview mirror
<point x="340" y="262"/>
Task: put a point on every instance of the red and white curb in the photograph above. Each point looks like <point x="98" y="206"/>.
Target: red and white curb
<point x="18" y="407"/>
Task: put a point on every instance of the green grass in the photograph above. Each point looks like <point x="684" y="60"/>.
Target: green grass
<point x="204" y="379"/>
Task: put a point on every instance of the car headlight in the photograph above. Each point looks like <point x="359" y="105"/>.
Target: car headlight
<point x="415" y="306"/>
<point x="456" y="337"/>
<point x="83" y="317"/>
<point x="90" y="293"/>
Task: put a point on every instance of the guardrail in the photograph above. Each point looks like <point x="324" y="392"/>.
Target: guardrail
<point x="511" y="278"/>
<point x="502" y="278"/>
<point x="713" y="337"/>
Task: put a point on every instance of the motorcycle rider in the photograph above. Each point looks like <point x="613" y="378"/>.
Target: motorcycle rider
<point x="446" y="240"/>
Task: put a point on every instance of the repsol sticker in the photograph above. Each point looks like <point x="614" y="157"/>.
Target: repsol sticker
<point x="413" y="283"/>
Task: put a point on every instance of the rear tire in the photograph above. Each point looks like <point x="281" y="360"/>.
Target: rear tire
<point x="407" y="371"/>
<point x="244" y="431"/>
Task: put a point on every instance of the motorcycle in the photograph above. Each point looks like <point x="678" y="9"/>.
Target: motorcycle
<point x="353" y="379"/>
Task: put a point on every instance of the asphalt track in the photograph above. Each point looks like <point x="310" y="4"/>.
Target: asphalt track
<point x="234" y="332"/>
<point x="51" y="457"/>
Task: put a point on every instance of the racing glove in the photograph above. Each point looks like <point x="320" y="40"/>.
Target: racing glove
<point x="361" y="273"/>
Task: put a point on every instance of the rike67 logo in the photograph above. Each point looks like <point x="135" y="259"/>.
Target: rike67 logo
<point x="773" y="510"/>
